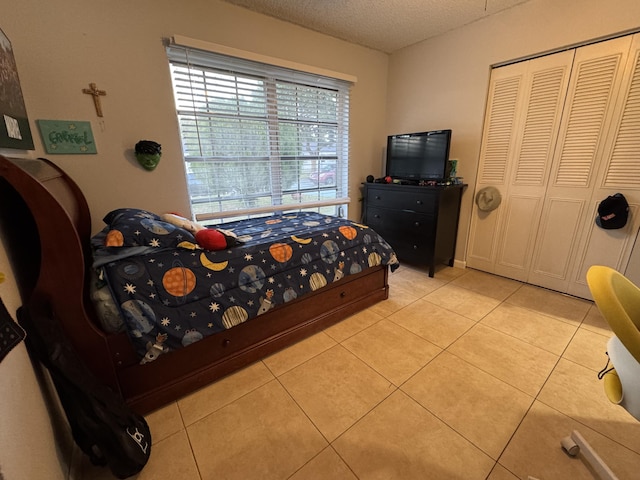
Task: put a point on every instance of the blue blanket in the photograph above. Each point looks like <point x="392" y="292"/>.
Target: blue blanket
<point x="172" y="297"/>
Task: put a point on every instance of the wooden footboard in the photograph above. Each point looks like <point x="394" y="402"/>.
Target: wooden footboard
<point x="182" y="371"/>
<point x="46" y="225"/>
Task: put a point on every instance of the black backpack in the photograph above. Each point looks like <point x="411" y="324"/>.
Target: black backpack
<point x="102" y="425"/>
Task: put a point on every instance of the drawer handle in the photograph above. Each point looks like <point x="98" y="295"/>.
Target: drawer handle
<point x="417" y="224"/>
<point x="378" y="197"/>
<point x="343" y="294"/>
<point x="419" y="202"/>
<point x="226" y="342"/>
<point x="415" y="247"/>
<point x="376" y="216"/>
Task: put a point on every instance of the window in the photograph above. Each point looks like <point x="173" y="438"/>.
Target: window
<point x="259" y="138"/>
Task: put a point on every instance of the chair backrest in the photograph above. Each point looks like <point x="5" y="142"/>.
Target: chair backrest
<point x="618" y="299"/>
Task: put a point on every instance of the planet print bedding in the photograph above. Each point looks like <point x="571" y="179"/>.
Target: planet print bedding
<point x="170" y="293"/>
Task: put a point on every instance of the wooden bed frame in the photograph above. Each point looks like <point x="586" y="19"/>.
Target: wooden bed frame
<point x="47" y="228"/>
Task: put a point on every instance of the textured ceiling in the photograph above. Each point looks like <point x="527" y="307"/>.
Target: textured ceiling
<point x="384" y="25"/>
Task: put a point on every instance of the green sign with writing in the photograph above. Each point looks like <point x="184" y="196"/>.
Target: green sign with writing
<point x="67" y="137"/>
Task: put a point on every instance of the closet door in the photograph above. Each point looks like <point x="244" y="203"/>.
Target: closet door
<point x="568" y="209"/>
<point x="521" y="124"/>
<point x="619" y="171"/>
<point x="501" y="120"/>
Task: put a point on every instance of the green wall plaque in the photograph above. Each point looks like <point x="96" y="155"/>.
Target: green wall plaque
<point x="67" y="137"/>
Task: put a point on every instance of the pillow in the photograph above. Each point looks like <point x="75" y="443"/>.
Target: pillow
<point x="132" y="227"/>
<point x="180" y="221"/>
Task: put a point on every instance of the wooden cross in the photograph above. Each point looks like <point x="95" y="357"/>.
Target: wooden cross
<point x="93" y="90"/>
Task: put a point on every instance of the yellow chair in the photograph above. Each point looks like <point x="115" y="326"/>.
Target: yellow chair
<point x="618" y="299"/>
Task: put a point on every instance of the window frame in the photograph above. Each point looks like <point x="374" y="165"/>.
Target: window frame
<point x="191" y="58"/>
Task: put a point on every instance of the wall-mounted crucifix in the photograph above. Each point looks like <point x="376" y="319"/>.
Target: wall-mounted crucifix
<point x="93" y="90"/>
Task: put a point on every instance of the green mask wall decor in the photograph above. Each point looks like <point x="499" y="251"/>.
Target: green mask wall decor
<point x="148" y="154"/>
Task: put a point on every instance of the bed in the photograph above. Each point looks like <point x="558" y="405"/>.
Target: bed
<point x="46" y="224"/>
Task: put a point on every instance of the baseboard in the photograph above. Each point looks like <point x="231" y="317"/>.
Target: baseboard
<point x="459" y="264"/>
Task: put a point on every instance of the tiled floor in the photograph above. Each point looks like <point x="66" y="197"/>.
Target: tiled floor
<point x="461" y="376"/>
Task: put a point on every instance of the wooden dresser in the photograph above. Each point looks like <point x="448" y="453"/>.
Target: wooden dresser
<point x="419" y="222"/>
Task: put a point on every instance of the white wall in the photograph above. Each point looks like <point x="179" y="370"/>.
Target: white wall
<point x="63" y="45"/>
<point x="27" y="431"/>
<point x="443" y="82"/>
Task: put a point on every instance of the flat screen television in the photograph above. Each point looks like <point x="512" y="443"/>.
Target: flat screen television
<point x="418" y="156"/>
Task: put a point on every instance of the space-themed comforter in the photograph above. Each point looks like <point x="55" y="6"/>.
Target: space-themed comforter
<point x="170" y="296"/>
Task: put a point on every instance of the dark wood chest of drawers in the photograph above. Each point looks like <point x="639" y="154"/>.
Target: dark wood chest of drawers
<point x="419" y="222"/>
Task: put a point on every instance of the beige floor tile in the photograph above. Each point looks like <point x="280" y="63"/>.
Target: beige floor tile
<point x="391" y="350"/>
<point x="262" y="435"/>
<point x="335" y="389"/>
<point x="535" y="328"/>
<point x="352" y="325"/>
<point x="298" y="353"/>
<point x="462" y="301"/>
<point x="513" y="361"/>
<point x="207" y="400"/>
<point x="483" y="409"/>
<point x="595" y="322"/>
<point x="554" y="304"/>
<point x="501" y="473"/>
<point x="401" y="440"/>
<point x="432" y="322"/>
<point x="576" y="391"/>
<point x="181" y="466"/>
<point x="486" y="284"/>
<point x="414" y="280"/>
<point x="164" y="422"/>
<point x="588" y="348"/>
<point x="447" y="273"/>
<point x="327" y="465"/>
<point x="398" y="297"/>
<point x="535" y="449"/>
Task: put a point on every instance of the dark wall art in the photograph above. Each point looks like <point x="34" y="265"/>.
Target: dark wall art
<point x="14" y="123"/>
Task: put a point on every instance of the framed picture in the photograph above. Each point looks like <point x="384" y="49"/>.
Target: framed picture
<point x="14" y="124"/>
<point x="67" y="136"/>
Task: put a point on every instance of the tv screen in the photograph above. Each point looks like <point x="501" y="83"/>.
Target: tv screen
<point x="418" y="156"/>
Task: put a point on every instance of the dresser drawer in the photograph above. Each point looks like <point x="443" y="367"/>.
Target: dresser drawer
<point x="400" y="223"/>
<point x="419" y="201"/>
<point x="420" y="223"/>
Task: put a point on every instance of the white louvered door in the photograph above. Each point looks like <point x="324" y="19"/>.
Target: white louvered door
<point x="563" y="136"/>
<point x="596" y="78"/>
<point x="535" y="139"/>
<point x="521" y="125"/>
<point x="505" y="96"/>
<point x="619" y="171"/>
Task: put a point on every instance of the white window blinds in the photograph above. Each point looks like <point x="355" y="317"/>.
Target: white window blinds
<point x="259" y="138"/>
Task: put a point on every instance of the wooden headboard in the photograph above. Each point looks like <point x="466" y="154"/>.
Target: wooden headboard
<point x="47" y="227"/>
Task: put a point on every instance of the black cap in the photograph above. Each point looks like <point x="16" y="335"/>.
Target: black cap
<point x="613" y="212"/>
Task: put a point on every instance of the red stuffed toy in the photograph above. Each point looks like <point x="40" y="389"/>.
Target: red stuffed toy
<point x="212" y="239"/>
